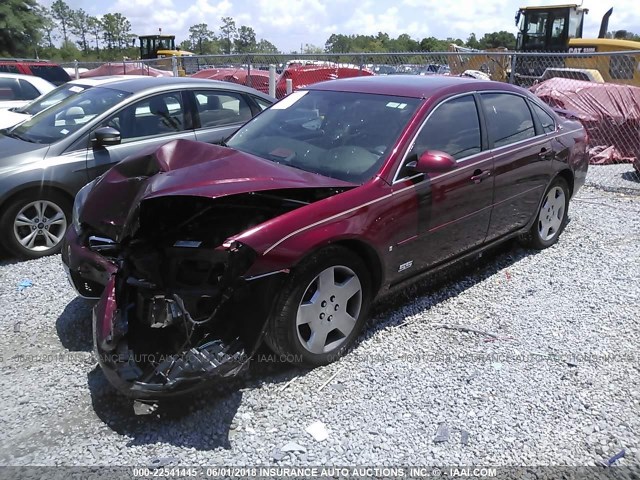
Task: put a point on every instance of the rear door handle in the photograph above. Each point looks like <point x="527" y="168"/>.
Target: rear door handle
<point x="480" y="175"/>
<point x="545" y="154"/>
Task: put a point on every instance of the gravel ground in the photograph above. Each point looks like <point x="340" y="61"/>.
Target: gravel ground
<point x="621" y="177"/>
<point x="559" y="384"/>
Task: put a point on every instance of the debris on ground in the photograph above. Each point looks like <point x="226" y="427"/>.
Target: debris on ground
<point x="462" y="328"/>
<point x="614" y="459"/>
<point x="161" y="462"/>
<point x="442" y="434"/>
<point x="293" y="447"/>
<point x="24" y="284"/>
<point x="464" y="437"/>
<point x="318" y="431"/>
<point x="329" y="380"/>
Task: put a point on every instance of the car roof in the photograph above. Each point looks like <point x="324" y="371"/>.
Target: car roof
<point x="140" y="83"/>
<point x="95" y="81"/>
<point x="34" y="80"/>
<point x="416" y="86"/>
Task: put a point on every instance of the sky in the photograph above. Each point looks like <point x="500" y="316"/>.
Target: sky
<point x="291" y="23"/>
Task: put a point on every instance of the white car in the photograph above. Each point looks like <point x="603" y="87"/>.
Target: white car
<point x="16" y="115"/>
<point x="17" y="90"/>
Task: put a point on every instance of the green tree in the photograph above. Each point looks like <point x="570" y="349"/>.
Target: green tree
<point x="200" y="37"/>
<point x="432" y="44"/>
<point x="48" y="25"/>
<point x="338" y="43"/>
<point x="310" y="49"/>
<point x="94" y="25"/>
<point x="245" y="41"/>
<point x="80" y="27"/>
<point x="63" y="14"/>
<point x="116" y="31"/>
<point x="229" y="32"/>
<point x="472" y="42"/>
<point x="498" y="39"/>
<point x="265" y="46"/>
<point x="20" y="24"/>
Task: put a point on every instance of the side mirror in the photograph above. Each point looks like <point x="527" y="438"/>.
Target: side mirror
<point x="106" y="136"/>
<point x="433" y="161"/>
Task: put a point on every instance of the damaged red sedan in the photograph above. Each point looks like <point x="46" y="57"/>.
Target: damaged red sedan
<point x="288" y="232"/>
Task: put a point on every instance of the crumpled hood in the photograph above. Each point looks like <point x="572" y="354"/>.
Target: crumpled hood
<point x="186" y="167"/>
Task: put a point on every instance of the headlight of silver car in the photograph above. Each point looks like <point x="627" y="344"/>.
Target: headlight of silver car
<point x="78" y="203"/>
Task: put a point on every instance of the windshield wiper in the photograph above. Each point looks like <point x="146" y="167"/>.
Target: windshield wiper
<point x="18" y="136"/>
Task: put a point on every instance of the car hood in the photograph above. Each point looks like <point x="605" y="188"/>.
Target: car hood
<point x="10" y="118"/>
<point x="15" y="152"/>
<point x="186" y="168"/>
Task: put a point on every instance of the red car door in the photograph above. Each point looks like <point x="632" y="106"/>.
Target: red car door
<point x="523" y="158"/>
<point x="447" y="213"/>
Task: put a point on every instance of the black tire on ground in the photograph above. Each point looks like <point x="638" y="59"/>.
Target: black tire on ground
<point x="286" y="338"/>
<point x="54" y="201"/>
<point x="551" y="218"/>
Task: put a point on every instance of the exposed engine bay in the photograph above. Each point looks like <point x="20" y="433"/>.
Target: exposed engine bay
<point x="180" y="310"/>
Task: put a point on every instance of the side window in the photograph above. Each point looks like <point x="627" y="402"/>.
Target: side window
<point x="263" y="104"/>
<point x="29" y="92"/>
<point x="546" y="120"/>
<point x="218" y="108"/>
<point x="9" y="89"/>
<point x="453" y="128"/>
<point x="508" y="118"/>
<point x="158" y="115"/>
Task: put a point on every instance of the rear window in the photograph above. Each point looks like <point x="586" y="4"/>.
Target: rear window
<point x="9" y="68"/>
<point x="53" y="73"/>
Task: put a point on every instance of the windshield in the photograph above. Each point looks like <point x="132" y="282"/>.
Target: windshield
<point x="54" y="96"/>
<point x="343" y="135"/>
<point x="68" y="116"/>
<point x="54" y="73"/>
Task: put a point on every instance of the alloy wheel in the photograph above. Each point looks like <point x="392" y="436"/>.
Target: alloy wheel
<point x="329" y="309"/>
<point x="40" y="225"/>
<point x="551" y="213"/>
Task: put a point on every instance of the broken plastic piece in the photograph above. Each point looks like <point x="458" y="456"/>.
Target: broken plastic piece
<point x="318" y="431"/>
<point x="26" y="283"/>
<point x="293" y="447"/>
<point x="464" y="437"/>
<point x="144" y="408"/>
<point x="615" y="458"/>
<point x="442" y="434"/>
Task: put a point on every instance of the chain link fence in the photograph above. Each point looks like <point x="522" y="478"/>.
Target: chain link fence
<point x="600" y="89"/>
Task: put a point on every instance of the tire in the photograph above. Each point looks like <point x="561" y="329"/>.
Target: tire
<point x="312" y="302"/>
<point x="551" y="218"/>
<point x="25" y="238"/>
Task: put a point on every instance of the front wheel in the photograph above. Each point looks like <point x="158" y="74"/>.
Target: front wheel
<point x="33" y="224"/>
<point x="552" y="216"/>
<point x="322" y="308"/>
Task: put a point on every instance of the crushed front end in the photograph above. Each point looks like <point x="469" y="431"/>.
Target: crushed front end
<point x="179" y="311"/>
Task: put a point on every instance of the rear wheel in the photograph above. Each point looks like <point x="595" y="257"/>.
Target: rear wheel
<point x="33" y="224"/>
<point x="322" y="308"/>
<point x="552" y="216"/>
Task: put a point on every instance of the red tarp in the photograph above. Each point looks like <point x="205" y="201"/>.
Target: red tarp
<point x="109" y="69"/>
<point x="304" y="75"/>
<point x="258" y="79"/>
<point x="609" y="112"/>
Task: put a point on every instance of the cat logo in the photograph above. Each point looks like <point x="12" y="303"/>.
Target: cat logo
<point x="405" y="266"/>
<point x="582" y="50"/>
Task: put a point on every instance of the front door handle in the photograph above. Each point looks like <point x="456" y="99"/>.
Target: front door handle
<point x="480" y="175"/>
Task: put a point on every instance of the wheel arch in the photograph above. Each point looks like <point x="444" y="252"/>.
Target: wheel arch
<point x="34" y="187"/>
<point x="567" y="174"/>
<point x="370" y="257"/>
